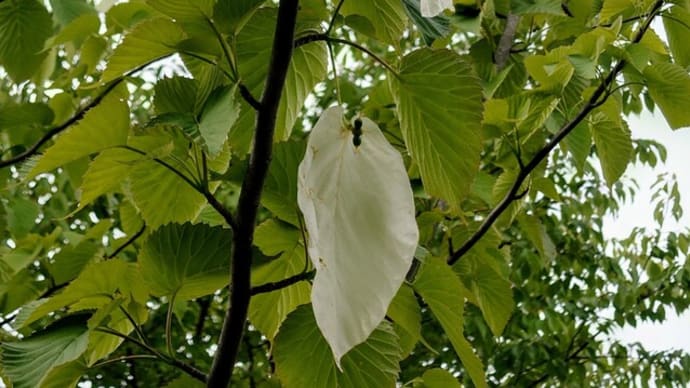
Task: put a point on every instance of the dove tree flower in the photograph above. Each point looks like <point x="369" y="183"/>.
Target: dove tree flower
<point x="431" y="8"/>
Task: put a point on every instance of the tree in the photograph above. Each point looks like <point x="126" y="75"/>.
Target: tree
<point x="151" y="172"/>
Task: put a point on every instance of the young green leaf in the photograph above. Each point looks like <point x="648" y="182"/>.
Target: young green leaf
<point x="24" y="27"/>
<point x="669" y="85"/>
<point x="441" y="289"/>
<point x="186" y="260"/>
<point x="359" y="212"/>
<point x="440" y="107"/>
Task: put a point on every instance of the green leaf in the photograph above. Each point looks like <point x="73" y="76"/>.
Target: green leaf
<point x="105" y="174"/>
<point x="308" y="67"/>
<point x="439" y="104"/>
<point x="267" y="311"/>
<point x="184" y="9"/>
<point x="65" y="375"/>
<point x="495" y="297"/>
<point x="677" y="27"/>
<point x="232" y="15"/>
<point x="22" y="288"/>
<point x="441" y="289"/>
<point x="405" y="312"/>
<point x="90" y="287"/>
<point x="24" y="27"/>
<point x="303" y="358"/>
<point x="614" y="147"/>
<point x="176" y="94"/>
<point x="147" y="42"/>
<point x="219" y="115"/>
<point x="104" y="126"/>
<point x="280" y="188"/>
<point x="430" y="28"/>
<point x="383" y="19"/>
<point x="66" y="11"/>
<point x="669" y="85"/>
<point x="77" y="31"/>
<point x="27" y="362"/>
<point x="537" y="7"/>
<point x="21" y="216"/>
<point x="25" y="115"/>
<point x="439" y="378"/>
<point x="186" y="260"/>
<point x="67" y="264"/>
<point x="579" y="144"/>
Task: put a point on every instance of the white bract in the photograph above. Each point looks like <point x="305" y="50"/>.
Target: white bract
<point x="359" y="211"/>
<point x="431" y="8"/>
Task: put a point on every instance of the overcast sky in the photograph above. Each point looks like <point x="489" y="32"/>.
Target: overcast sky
<point x="674" y="332"/>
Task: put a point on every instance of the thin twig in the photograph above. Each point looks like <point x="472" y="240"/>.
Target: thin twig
<point x="325" y="38"/>
<point x="275" y="286"/>
<point x="539" y="157"/>
<point x="124" y="358"/>
<point x="506" y="41"/>
<point x="127" y="243"/>
<point x="250" y="195"/>
<point x="168" y="325"/>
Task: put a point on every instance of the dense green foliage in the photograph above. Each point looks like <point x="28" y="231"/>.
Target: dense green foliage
<point x="129" y="130"/>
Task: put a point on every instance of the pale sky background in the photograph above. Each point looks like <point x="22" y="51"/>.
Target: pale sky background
<point x="674" y="333"/>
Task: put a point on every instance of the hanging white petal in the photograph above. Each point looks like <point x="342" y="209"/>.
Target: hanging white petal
<point x="431" y="8"/>
<point x="359" y="211"/>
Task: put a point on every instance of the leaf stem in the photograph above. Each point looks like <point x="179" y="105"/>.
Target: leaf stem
<point x="280" y="284"/>
<point x="168" y="325"/>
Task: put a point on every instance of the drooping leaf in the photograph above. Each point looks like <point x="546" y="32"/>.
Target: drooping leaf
<point x="280" y="189"/>
<point x="267" y="311"/>
<point x="104" y="126"/>
<point x="439" y="104"/>
<point x="188" y="260"/>
<point x="441" y="289"/>
<point x="24" y="27"/>
<point x="147" y="42"/>
<point x="359" y="212"/>
<point x="383" y="20"/>
<point x="669" y="85"/>
<point x="614" y="147"/>
<point x="676" y="25"/>
<point x="27" y="362"/>
<point x="219" y="115"/>
<point x="303" y="358"/>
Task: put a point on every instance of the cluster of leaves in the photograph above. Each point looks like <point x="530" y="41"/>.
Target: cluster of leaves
<point x="128" y="130"/>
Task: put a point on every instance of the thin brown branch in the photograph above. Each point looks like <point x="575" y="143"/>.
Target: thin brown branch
<point x="127" y="243"/>
<point x="247" y="95"/>
<point x="248" y="204"/>
<point x="56" y="130"/>
<point x="280" y="284"/>
<point x="541" y="155"/>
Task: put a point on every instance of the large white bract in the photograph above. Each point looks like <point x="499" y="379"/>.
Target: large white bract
<point x="359" y="211"/>
<point x="431" y="8"/>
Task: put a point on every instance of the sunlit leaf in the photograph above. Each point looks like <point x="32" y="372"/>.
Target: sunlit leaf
<point x="439" y="103"/>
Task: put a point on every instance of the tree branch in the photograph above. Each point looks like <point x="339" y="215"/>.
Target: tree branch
<point x="248" y="204"/>
<point x="280" y="284"/>
<point x="56" y="130"/>
<point x="506" y="42"/>
<point x="127" y="243"/>
<point x="591" y="104"/>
